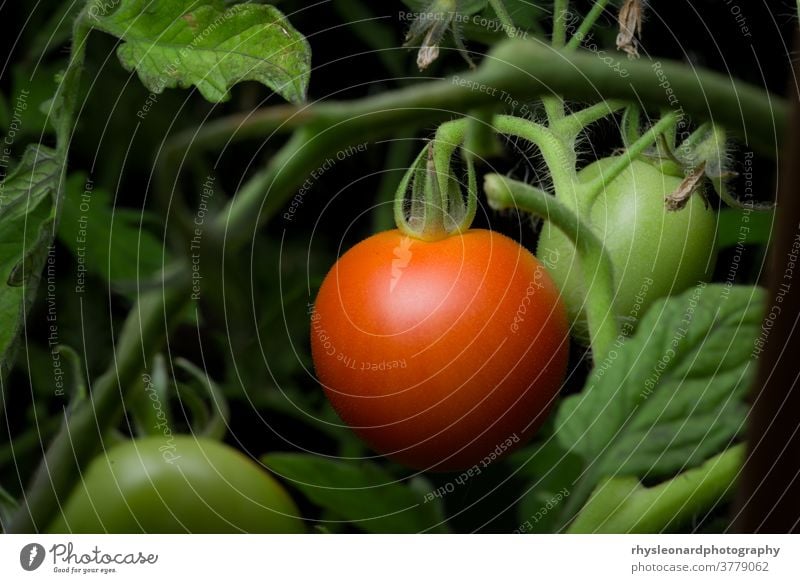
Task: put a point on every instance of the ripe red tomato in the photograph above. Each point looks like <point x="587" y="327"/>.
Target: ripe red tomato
<point x="440" y="355"/>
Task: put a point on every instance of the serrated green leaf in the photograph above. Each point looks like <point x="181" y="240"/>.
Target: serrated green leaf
<point x="107" y="242"/>
<point x="27" y="215"/>
<point x="359" y="492"/>
<point x="202" y="43"/>
<point x="673" y="396"/>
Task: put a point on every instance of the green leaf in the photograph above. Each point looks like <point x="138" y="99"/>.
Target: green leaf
<point x="188" y="42"/>
<point x="27" y="215"/>
<point x="359" y="492"/>
<point x="107" y="242"/>
<point x="674" y="394"/>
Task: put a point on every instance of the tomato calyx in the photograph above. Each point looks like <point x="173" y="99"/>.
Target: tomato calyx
<point x="429" y="204"/>
<point x="701" y="158"/>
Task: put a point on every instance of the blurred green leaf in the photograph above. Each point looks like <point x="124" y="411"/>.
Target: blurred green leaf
<point x="28" y="116"/>
<point x="54" y="32"/>
<point x="7" y="507"/>
<point x="27" y="215"/>
<point x="105" y="241"/>
<point x="187" y="42"/>
<point x="551" y="470"/>
<point x="359" y="492"/>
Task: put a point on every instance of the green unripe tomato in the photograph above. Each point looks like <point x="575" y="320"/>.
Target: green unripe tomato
<point x="176" y="485"/>
<point x="654" y="252"/>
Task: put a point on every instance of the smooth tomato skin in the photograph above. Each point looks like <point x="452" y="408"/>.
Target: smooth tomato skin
<point x="209" y="488"/>
<point x="439" y="354"/>
<point x="654" y="252"/>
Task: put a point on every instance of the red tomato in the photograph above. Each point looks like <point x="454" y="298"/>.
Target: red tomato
<point x="440" y="355"/>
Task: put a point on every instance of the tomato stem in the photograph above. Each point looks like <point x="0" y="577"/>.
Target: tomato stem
<point x="631" y="124"/>
<point x="587" y="24"/>
<point x="504" y="193"/>
<point x="594" y="187"/>
<point x="437" y="208"/>
<point x="558" y="154"/>
<point x="560" y="12"/>
<point x="503" y="16"/>
<point x="480" y="141"/>
<point x="576" y="122"/>
<point x="217" y="425"/>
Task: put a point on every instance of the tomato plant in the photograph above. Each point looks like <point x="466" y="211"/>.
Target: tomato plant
<point x="439" y="353"/>
<point x="655" y="252"/>
<point x="187" y="283"/>
<point x="184" y="484"/>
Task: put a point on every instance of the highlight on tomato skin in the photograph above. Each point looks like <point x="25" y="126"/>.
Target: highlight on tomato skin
<point x="440" y="355"/>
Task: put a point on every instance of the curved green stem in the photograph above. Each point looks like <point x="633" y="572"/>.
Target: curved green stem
<point x="587" y="24"/>
<point x="480" y="141"/>
<point x="526" y="70"/>
<point x="631" y="124"/>
<point x="412" y="175"/>
<point x="504" y="193"/>
<point x="574" y="123"/>
<point x="517" y="67"/>
<point x="217" y="425"/>
<point x="521" y="68"/>
<point x="437" y="207"/>
<point x="623" y="505"/>
<point x="449" y="136"/>
<point x="558" y="155"/>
